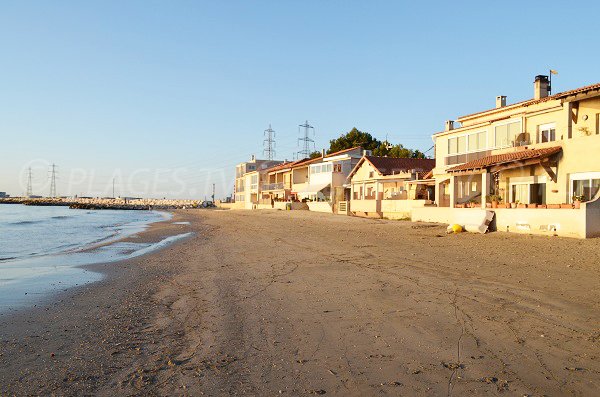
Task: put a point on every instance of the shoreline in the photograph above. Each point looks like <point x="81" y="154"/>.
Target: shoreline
<point x="38" y="278"/>
<point x="353" y="307"/>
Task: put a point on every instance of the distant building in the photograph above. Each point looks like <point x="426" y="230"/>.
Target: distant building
<point x="3" y="195"/>
<point x="248" y="178"/>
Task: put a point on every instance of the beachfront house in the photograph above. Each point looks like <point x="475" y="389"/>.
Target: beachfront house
<point x="380" y="186"/>
<point x="533" y="163"/>
<point x="249" y="177"/>
<point x="326" y="178"/>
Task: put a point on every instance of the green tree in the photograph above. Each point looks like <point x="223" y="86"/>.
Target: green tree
<point x="397" y="151"/>
<point x="352" y="139"/>
<point x="356" y="138"/>
<point x="314" y="155"/>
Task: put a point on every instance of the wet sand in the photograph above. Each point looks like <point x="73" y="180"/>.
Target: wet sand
<point x="298" y="303"/>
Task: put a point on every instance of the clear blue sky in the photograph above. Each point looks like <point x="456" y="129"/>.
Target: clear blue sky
<point x="167" y="96"/>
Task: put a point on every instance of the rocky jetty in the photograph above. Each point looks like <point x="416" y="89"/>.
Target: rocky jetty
<point x="106" y="203"/>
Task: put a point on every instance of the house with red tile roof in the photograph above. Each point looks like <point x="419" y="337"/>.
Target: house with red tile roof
<point x="380" y="186"/>
<point x="539" y="155"/>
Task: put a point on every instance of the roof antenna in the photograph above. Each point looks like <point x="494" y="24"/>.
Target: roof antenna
<point x="552" y="71"/>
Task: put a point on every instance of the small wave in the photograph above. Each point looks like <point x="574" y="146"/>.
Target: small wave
<point x="10" y="258"/>
<point x="62" y="217"/>
<point x="24" y="222"/>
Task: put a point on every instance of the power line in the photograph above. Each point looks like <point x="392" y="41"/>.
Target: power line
<point x="269" y="143"/>
<point x="306" y="140"/>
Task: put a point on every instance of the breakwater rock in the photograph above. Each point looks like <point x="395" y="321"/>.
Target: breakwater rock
<point x="106" y="203"/>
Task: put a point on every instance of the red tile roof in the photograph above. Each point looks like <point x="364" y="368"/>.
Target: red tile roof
<point x="504" y="158"/>
<point x="391" y="165"/>
<point x="428" y="175"/>
<point x="530" y="102"/>
<point x="283" y="166"/>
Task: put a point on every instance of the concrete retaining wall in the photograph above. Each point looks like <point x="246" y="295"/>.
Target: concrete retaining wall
<point x="320" y="206"/>
<point x="400" y="209"/>
<point x="560" y="222"/>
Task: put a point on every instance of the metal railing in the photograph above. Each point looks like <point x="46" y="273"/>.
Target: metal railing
<point x="273" y="186"/>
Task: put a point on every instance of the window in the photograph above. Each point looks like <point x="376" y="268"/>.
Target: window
<point x="546" y="133"/>
<point x="337" y="168"/>
<point x="254" y="182"/>
<point x="585" y="184"/>
<point x="467" y="143"/>
<point x="452" y="145"/>
<point x="505" y="135"/>
<point x="477" y="142"/>
<point x="528" y="190"/>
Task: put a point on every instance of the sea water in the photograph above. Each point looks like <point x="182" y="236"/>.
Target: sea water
<point x="44" y="249"/>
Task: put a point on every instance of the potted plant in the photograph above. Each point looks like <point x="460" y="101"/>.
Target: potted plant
<point x="566" y="206"/>
<point x="577" y="199"/>
<point x="541" y="206"/>
<point x="514" y="205"/>
<point x="494" y="199"/>
<point x="533" y="205"/>
<point x="553" y="206"/>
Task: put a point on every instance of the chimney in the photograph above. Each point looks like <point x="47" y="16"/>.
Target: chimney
<point x="322" y="152"/>
<point x="541" y="87"/>
<point x="500" y="101"/>
<point x="449" y="125"/>
<point x="367" y="152"/>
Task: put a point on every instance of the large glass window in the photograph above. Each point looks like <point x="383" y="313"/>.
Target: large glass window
<point x="588" y="188"/>
<point x="452" y="145"/>
<point x="506" y="134"/>
<point x="477" y="142"/>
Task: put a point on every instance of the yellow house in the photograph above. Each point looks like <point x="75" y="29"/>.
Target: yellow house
<point x="249" y="176"/>
<point x="379" y="186"/>
<point x="540" y="153"/>
<point x="278" y="183"/>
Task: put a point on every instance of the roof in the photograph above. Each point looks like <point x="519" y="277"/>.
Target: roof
<point x="307" y="161"/>
<point x="343" y="151"/>
<point x="505" y="158"/>
<point x="391" y="165"/>
<point x="283" y="166"/>
<point x="530" y="102"/>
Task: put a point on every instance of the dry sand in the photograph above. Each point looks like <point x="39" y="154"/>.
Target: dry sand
<point x="298" y="303"/>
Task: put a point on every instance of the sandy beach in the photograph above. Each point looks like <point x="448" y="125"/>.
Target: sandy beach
<point x="301" y="303"/>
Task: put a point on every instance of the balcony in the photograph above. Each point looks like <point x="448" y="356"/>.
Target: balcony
<point x="273" y="186"/>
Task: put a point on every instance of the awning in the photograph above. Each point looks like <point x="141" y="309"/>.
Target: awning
<point x="498" y="162"/>
<point x="314" y="188"/>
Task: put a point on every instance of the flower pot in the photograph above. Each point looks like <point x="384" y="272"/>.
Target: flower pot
<point x="490" y="205"/>
<point x="542" y="206"/>
<point x="513" y="205"/>
<point x="577" y="204"/>
<point x="521" y="206"/>
<point x="506" y="205"/>
<point x="494" y="204"/>
<point x="459" y="206"/>
<point x="553" y="206"/>
<point x="531" y="205"/>
<point x="566" y="206"/>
